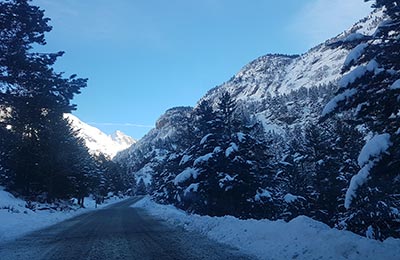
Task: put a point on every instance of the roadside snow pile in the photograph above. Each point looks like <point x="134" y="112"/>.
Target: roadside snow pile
<point x="301" y="238"/>
<point x="16" y="219"/>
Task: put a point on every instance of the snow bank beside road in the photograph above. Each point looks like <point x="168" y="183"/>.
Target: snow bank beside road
<point x="301" y="238"/>
<point x="17" y="220"/>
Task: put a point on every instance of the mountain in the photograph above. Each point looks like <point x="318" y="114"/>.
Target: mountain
<point x="257" y="146"/>
<point x="276" y="74"/>
<point x="155" y="144"/>
<point x="122" y="139"/>
<point x="97" y="141"/>
<point x="259" y="89"/>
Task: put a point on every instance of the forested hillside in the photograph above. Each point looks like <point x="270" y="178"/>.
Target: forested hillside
<point x="41" y="156"/>
<point x="315" y="135"/>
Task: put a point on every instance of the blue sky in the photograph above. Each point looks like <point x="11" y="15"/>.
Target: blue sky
<point x="143" y="57"/>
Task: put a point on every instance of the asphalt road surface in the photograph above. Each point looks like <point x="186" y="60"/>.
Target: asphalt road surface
<point x="116" y="232"/>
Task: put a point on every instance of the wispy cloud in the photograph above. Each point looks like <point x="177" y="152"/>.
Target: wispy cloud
<point x="121" y="124"/>
<point x="322" y="19"/>
<point x="102" y="20"/>
<point x="57" y="8"/>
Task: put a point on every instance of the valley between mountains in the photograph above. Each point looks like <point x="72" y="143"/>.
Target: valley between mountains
<point x="294" y="157"/>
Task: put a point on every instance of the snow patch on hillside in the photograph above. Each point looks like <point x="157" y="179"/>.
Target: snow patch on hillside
<point x="301" y="238"/>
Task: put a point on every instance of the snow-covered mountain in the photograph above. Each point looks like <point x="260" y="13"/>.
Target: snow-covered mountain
<point x="277" y="74"/>
<point x="260" y="136"/>
<point x="151" y="147"/>
<point x="99" y="142"/>
<point x="272" y="75"/>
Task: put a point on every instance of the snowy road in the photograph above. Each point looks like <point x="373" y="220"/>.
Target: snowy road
<point x="116" y="232"/>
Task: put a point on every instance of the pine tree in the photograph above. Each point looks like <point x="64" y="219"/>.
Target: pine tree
<point x="334" y="147"/>
<point x="141" y="187"/>
<point x="372" y="89"/>
<point x="222" y="170"/>
<point x="6" y="143"/>
<point x="34" y="96"/>
<point x="294" y="176"/>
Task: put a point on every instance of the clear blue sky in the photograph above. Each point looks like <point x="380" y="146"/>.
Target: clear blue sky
<point x="143" y="57"/>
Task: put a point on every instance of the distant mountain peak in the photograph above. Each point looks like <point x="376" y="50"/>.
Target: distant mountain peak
<point x="98" y="142"/>
<point x="122" y="139"/>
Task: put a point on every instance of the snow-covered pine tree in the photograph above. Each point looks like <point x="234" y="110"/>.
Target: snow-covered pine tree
<point x="295" y="175"/>
<point x="6" y="143"/>
<point x="372" y="88"/>
<point x="141" y="187"/>
<point x="333" y="147"/>
<point x="36" y="98"/>
<point x="220" y="172"/>
<point x="323" y="167"/>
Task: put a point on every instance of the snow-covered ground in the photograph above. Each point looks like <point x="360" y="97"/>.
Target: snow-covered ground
<point x="301" y="238"/>
<point x="17" y="220"/>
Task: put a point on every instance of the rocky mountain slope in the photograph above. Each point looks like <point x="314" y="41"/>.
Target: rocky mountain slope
<point x="277" y="74"/>
<point x="97" y="141"/>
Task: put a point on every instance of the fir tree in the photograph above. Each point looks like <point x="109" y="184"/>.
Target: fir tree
<point x="372" y="88"/>
<point x="35" y="96"/>
<point x="141" y="187"/>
